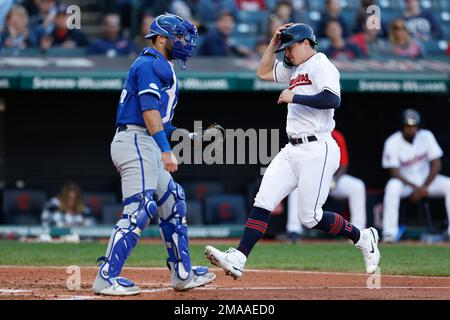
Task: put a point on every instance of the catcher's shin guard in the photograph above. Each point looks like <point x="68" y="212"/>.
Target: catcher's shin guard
<point x="174" y="231"/>
<point x="127" y="233"/>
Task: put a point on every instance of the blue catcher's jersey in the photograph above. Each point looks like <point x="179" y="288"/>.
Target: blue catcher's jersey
<point x="150" y="74"/>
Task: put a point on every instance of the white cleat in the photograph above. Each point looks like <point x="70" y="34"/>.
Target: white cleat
<point x="231" y="261"/>
<point x="198" y="277"/>
<point x="368" y="244"/>
<point x="194" y="281"/>
<point x="119" y="287"/>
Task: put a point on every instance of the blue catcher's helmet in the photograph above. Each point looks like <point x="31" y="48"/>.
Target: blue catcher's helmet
<point x="175" y="28"/>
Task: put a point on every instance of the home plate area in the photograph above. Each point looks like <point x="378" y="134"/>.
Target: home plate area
<point x="51" y="283"/>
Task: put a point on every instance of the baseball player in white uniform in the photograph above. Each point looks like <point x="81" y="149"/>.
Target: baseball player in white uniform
<point x="310" y="159"/>
<point x="343" y="186"/>
<point x="413" y="157"/>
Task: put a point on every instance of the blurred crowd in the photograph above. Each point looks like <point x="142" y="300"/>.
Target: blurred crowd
<point x="239" y="28"/>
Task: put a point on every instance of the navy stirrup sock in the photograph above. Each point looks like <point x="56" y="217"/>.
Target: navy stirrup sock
<point x="255" y="228"/>
<point x="333" y="223"/>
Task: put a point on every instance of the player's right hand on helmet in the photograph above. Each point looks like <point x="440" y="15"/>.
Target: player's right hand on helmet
<point x="170" y="161"/>
<point x="275" y="41"/>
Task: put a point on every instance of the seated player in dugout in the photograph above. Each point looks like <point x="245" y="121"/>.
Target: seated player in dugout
<point x="310" y="159"/>
<point x="412" y="156"/>
<point x="343" y="186"/>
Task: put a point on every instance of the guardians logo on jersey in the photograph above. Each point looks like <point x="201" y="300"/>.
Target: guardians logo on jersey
<point x="300" y="80"/>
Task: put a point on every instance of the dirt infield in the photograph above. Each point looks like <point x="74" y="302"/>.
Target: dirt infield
<point x="50" y="283"/>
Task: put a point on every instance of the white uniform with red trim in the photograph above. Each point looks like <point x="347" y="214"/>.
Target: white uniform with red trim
<point x="413" y="160"/>
<point x="309" y="166"/>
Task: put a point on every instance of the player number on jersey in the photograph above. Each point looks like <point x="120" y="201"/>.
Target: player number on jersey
<point x="123" y="95"/>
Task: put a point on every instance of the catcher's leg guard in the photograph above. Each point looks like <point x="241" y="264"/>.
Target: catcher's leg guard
<point x="174" y="230"/>
<point x="126" y="234"/>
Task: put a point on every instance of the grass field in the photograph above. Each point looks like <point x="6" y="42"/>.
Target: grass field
<point x="405" y="259"/>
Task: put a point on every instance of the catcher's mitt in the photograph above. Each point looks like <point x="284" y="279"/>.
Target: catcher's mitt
<point x="217" y="127"/>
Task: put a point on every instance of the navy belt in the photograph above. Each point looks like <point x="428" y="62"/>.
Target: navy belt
<point x="295" y="141"/>
<point x="124" y="127"/>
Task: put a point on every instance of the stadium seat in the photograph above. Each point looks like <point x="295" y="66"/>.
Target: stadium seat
<point x="111" y="213"/>
<point x="388" y="15"/>
<point x="62" y="52"/>
<point x="411" y="213"/>
<point x="446" y="32"/>
<point x="271" y="4"/>
<point x="97" y="200"/>
<point x="323" y="44"/>
<point x="445" y="5"/>
<point x="28" y="52"/>
<point x="257" y="17"/>
<point x="242" y="40"/>
<point x="23" y="206"/>
<point x="317" y="5"/>
<point x="314" y="16"/>
<point x="194" y="212"/>
<point x="396" y="4"/>
<point x="251" y="22"/>
<point x="225" y="209"/>
<point x="435" y="47"/>
<point x="198" y="190"/>
<point x="353" y="4"/>
<point x="350" y="17"/>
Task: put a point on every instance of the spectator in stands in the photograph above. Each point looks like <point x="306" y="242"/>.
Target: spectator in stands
<point x="140" y="41"/>
<point x="251" y="5"/>
<point x="67" y="209"/>
<point x="5" y="6"/>
<point x="17" y="33"/>
<point x="369" y="41"/>
<point x="112" y="43"/>
<point x="209" y="10"/>
<point x="63" y="37"/>
<point x="402" y="43"/>
<point x="125" y="8"/>
<point x="31" y="7"/>
<point x="284" y="11"/>
<point x="261" y="46"/>
<point x="182" y="9"/>
<point x="45" y="18"/>
<point x="217" y="43"/>
<point x="420" y="23"/>
<point x="333" y="11"/>
<point x="339" y="49"/>
<point x="273" y="24"/>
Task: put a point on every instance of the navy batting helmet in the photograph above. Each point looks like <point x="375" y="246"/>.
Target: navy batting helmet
<point x="174" y="27"/>
<point x="295" y="33"/>
<point x="410" y="117"/>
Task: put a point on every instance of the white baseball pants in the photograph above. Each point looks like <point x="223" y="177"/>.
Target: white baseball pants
<point x="396" y="190"/>
<point x="307" y="167"/>
<point x="347" y="187"/>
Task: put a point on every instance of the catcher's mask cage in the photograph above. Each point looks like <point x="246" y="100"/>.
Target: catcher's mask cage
<point x="181" y="33"/>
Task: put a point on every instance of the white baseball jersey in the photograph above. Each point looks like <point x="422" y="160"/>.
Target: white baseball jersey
<point x="311" y="77"/>
<point x="413" y="159"/>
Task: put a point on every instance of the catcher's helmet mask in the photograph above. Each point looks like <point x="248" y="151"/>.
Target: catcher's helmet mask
<point x="174" y="27"/>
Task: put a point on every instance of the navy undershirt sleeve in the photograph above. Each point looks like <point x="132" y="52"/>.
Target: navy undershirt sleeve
<point x="323" y="100"/>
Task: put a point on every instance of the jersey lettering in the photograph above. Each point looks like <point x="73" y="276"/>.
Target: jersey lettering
<point x="300" y="80"/>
